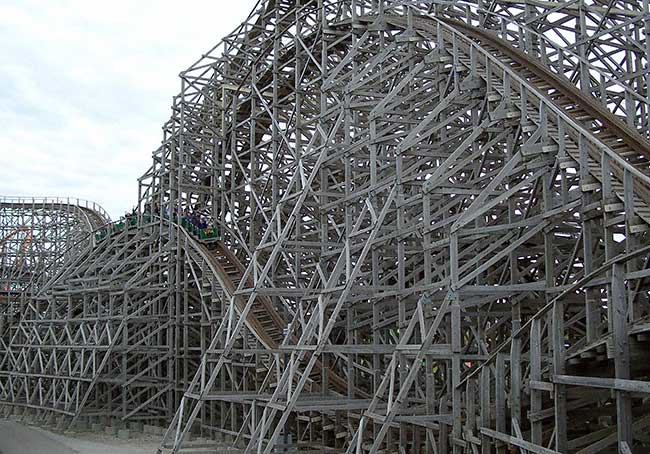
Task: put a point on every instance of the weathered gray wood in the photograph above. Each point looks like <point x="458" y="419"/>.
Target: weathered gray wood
<point x="367" y="163"/>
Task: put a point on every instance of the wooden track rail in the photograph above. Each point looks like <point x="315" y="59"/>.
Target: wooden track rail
<point x="603" y="125"/>
<point x="263" y="319"/>
<point x="435" y="236"/>
<point x="566" y="95"/>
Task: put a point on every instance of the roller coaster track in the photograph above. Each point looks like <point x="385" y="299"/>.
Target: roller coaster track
<point x="610" y="130"/>
<point x="434" y="239"/>
<point x="263" y="318"/>
<point x="592" y="127"/>
<point x="21" y="253"/>
<point x="88" y="215"/>
<point x="94" y="217"/>
<point x="264" y="321"/>
<point x="629" y="149"/>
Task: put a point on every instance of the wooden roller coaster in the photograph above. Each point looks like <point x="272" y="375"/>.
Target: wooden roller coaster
<point x="433" y="236"/>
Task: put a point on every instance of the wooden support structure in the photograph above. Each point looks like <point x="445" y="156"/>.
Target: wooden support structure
<point x="432" y="221"/>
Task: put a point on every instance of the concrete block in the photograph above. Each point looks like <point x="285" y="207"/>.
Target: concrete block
<point x="123" y="434"/>
<point x="49" y="422"/>
<point x="110" y="430"/>
<point x="151" y="430"/>
<point x="81" y="425"/>
<point x="62" y="423"/>
<point x="136" y="426"/>
<point x="118" y="423"/>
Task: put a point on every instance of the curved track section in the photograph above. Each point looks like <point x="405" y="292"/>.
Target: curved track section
<point x="37" y="233"/>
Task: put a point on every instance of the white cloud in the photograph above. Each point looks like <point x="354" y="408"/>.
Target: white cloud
<point x="87" y="85"/>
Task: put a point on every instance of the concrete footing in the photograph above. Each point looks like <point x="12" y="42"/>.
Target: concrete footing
<point x="136" y="427"/>
<point x="62" y="423"/>
<point x="153" y="430"/>
<point x="227" y="450"/>
<point x="80" y="425"/>
<point x="118" y="423"/>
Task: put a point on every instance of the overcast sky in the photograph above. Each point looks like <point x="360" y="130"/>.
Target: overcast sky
<point x="85" y="87"/>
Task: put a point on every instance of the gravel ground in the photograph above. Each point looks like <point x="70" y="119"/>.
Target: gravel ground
<point x="16" y="438"/>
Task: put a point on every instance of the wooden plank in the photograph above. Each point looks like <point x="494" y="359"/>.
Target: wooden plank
<point x="514" y="441"/>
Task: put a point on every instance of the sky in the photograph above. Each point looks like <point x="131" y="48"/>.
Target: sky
<point x="85" y="87"/>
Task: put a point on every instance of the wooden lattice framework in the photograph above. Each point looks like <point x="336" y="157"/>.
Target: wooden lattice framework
<point x="434" y="238"/>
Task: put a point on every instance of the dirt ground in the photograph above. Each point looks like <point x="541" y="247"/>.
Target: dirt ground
<point x="16" y="438"/>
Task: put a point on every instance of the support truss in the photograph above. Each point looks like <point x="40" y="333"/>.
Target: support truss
<point x="433" y="225"/>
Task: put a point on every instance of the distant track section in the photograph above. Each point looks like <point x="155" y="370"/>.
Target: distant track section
<point x="50" y="229"/>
